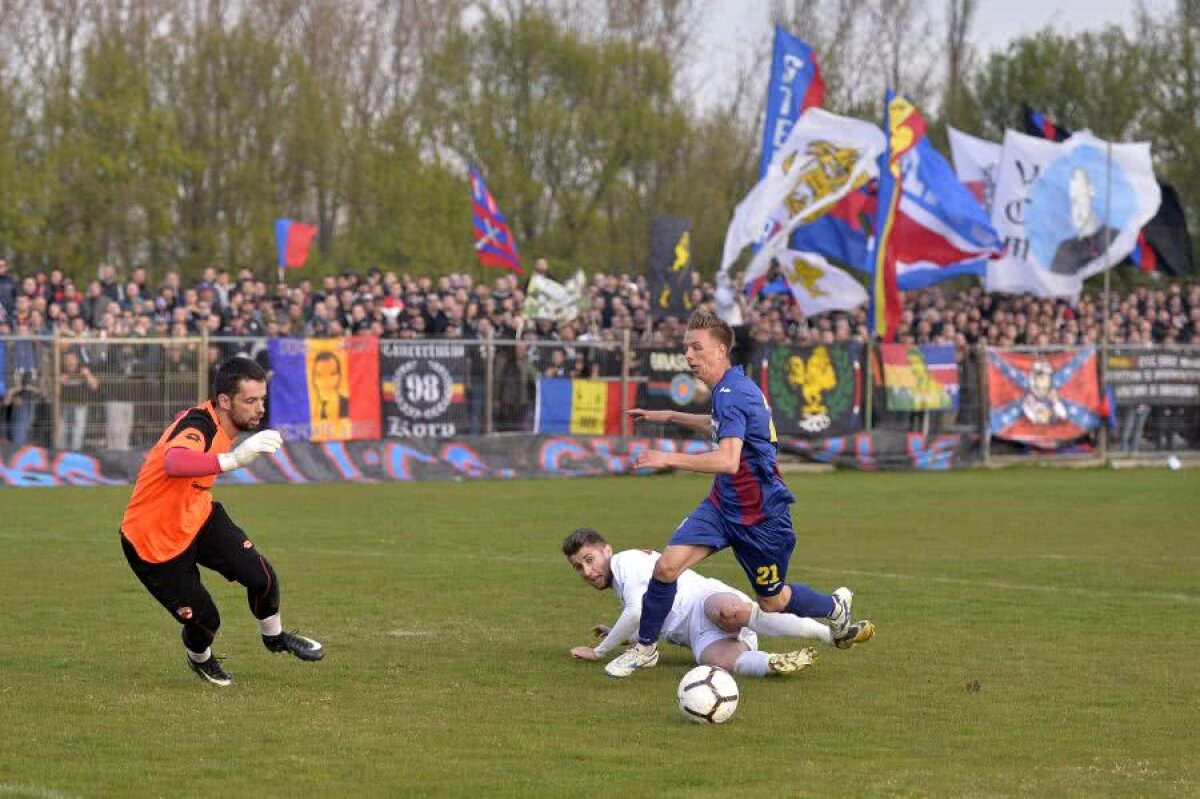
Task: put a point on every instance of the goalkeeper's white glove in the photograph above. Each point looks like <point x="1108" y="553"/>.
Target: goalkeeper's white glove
<point x="245" y="453"/>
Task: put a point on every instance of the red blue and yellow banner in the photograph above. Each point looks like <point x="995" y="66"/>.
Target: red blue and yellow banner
<point x="920" y="378"/>
<point x="904" y="128"/>
<point x="581" y="407"/>
<point x="324" y="389"/>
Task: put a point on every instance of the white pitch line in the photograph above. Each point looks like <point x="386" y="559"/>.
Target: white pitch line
<point x="1191" y="599"/>
<point x="31" y="791"/>
<point x="409" y="633"/>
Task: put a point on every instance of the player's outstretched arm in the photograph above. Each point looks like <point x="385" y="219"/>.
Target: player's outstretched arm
<point x="619" y="634"/>
<point x="694" y="421"/>
<point x="587" y="652"/>
<point x="185" y="462"/>
<point x="722" y="460"/>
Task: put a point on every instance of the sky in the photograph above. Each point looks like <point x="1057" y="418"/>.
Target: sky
<point x="732" y="26"/>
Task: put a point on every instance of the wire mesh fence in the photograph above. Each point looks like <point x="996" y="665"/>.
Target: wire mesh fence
<point x="119" y="394"/>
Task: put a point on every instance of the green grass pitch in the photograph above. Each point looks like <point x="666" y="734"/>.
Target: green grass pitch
<point x="1037" y="637"/>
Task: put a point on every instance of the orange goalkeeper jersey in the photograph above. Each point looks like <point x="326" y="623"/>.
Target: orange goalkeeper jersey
<point x="165" y="513"/>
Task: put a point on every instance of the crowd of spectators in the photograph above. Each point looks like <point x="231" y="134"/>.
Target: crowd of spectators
<point x="235" y="306"/>
<point x="389" y="304"/>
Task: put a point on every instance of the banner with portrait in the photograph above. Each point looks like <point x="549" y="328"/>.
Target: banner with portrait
<point x="1144" y="376"/>
<point x="424" y="389"/>
<point x="1067" y="211"/>
<point x="1043" y="399"/>
<point x="324" y="389"/>
<point x="814" y="391"/>
<point x="920" y="377"/>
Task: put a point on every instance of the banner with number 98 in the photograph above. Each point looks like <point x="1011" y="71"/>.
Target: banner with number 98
<point x="424" y="389"/>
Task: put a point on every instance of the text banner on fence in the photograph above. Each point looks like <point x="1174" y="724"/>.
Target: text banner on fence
<point x="423" y="388"/>
<point x="1154" y="377"/>
<point x="1043" y="399"/>
<point x="813" y="391"/>
<point x="324" y="389"/>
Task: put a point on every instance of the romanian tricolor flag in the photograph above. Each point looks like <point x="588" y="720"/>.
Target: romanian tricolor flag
<point x="581" y="407"/>
<point x="324" y="389"/>
<point x="904" y="129"/>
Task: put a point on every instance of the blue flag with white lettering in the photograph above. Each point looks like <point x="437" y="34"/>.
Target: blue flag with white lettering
<point x="796" y="85"/>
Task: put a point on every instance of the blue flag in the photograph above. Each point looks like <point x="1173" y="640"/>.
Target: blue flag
<point x="940" y="230"/>
<point x="795" y="86"/>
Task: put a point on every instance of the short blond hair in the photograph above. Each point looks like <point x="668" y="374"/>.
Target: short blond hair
<point x="703" y="320"/>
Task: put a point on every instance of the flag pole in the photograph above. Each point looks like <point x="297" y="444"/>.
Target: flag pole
<point x="869" y="379"/>
<point x="1103" y="442"/>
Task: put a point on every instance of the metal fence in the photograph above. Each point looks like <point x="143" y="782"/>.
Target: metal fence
<point x="114" y="394"/>
<point x="119" y="394"/>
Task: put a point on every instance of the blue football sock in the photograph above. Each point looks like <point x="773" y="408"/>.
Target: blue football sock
<point x="656" y="604"/>
<point x="807" y="602"/>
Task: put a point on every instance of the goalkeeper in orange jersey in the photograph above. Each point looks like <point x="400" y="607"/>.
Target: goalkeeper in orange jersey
<point x="172" y="525"/>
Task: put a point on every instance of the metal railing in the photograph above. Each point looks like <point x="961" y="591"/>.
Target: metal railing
<point x="119" y="394"/>
<point x="111" y="393"/>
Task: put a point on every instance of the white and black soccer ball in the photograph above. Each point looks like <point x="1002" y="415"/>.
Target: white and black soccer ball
<point x="708" y="695"/>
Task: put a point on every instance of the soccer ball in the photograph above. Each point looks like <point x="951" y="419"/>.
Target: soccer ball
<point x="708" y="695"/>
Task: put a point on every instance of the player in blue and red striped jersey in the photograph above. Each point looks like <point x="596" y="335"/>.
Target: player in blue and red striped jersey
<point x="748" y="509"/>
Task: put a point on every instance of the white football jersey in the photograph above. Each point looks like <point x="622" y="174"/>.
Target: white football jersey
<point x="631" y="573"/>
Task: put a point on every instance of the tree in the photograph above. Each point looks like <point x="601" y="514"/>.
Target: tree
<point x="572" y="135"/>
<point x="958" y="104"/>
<point x="1093" y="80"/>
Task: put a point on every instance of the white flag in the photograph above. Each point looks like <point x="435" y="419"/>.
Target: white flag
<point x="975" y="163"/>
<point x="823" y="158"/>
<point x="819" y="286"/>
<point x="1067" y="210"/>
<point x="549" y="299"/>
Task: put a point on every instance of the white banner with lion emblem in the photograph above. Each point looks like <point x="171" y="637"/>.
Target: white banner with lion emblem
<point x="824" y="158"/>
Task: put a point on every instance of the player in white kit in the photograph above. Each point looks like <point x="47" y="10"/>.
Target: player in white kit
<point x="718" y="623"/>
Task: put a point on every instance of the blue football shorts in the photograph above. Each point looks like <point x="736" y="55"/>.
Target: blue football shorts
<point x="763" y="550"/>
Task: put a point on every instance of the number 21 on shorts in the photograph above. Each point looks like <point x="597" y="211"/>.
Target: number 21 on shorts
<point x="766" y="575"/>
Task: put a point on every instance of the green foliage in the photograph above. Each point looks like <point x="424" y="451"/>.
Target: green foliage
<point x="177" y="141"/>
<point x="1092" y="80"/>
<point x="578" y="139"/>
